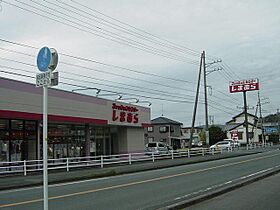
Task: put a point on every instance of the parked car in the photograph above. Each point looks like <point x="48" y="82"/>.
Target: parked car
<point x="235" y="143"/>
<point x="222" y="145"/>
<point x="157" y="148"/>
<point x="197" y="144"/>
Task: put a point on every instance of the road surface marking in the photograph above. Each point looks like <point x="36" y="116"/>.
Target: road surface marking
<point x="225" y="183"/>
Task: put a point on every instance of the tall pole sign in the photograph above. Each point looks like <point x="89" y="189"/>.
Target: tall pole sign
<point x="244" y="86"/>
<point x="47" y="61"/>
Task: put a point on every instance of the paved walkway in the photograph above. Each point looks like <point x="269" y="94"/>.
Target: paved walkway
<point x="19" y="181"/>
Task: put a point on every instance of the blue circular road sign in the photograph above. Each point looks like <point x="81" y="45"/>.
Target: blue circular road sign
<point x="44" y="59"/>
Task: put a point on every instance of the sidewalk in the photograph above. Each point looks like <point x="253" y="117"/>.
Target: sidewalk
<point x="20" y="181"/>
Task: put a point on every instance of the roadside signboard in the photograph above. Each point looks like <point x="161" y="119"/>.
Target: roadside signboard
<point x="244" y="85"/>
<point x="234" y="134"/>
<point x="43" y="79"/>
<point x="270" y="130"/>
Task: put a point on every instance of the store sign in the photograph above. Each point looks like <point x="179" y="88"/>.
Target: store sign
<point x="125" y="114"/>
<point x="234" y="134"/>
<point x="244" y="85"/>
<point x="270" y="130"/>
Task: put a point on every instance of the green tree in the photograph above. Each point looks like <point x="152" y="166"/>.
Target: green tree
<point x="202" y="137"/>
<point x="216" y="134"/>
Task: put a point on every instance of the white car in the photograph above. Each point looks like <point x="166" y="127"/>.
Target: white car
<point x="222" y="145"/>
<point x="156" y="148"/>
<point x="234" y="143"/>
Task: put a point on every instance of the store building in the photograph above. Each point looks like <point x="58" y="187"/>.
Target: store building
<point x="79" y="125"/>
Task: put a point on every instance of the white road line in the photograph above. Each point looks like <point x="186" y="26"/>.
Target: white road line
<point x="225" y="183"/>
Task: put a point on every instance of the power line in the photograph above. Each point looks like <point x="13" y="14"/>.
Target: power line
<point x="137" y="29"/>
<point x="13" y="51"/>
<point x="119" y="27"/>
<point x="99" y="33"/>
<point x="110" y="65"/>
<point x="99" y="28"/>
<point x="94" y="61"/>
<point x="88" y="77"/>
<point x="97" y="62"/>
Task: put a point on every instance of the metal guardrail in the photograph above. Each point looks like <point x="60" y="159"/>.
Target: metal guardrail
<point x="27" y="166"/>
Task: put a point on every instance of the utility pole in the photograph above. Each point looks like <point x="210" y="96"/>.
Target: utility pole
<point x="255" y="122"/>
<point x="206" y="102"/>
<point x="261" y="119"/>
<point x="196" y="100"/>
<point x="246" y="116"/>
<point x="278" y="122"/>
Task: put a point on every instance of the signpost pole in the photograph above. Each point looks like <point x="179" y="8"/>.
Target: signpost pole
<point x="47" y="61"/>
<point x="246" y="116"/>
<point x="45" y="145"/>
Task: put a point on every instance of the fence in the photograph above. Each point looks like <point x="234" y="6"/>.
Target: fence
<point x="28" y="166"/>
<point x="255" y="146"/>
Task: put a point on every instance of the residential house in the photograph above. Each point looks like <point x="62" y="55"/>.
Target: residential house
<point x="186" y="131"/>
<point x="165" y="130"/>
<point x="236" y="128"/>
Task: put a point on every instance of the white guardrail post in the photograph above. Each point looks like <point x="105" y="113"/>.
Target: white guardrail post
<point x="67" y="164"/>
<point x="189" y="154"/>
<point x="129" y="158"/>
<point x="101" y="161"/>
<point x="172" y="155"/>
<point x="153" y="157"/>
<point x="202" y="151"/>
<point x="24" y="167"/>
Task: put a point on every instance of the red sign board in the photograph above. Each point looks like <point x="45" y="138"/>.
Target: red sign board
<point x="125" y="114"/>
<point x="244" y="85"/>
<point x="234" y="135"/>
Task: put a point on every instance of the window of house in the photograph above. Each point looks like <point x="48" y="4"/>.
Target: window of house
<point x="172" y="129"/>
<point x="240" y="135"/>
<point x="162" y="129"/>
<point x="150" y="129"/>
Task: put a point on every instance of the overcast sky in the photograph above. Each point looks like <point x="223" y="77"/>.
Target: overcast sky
<point x="125" y="33"/>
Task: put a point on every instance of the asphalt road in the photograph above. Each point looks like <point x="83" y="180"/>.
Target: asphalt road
<point x="144" y="190"/>
<point x="261" y="195"/>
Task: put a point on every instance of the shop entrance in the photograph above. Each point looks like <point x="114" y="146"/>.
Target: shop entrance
<point x="100" y="141"/>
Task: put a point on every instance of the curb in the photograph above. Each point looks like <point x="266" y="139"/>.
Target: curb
<point x="216" y="193"/>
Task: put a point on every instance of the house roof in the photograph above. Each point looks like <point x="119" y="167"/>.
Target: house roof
<point x="240" y="114"/>
<point x="236" y="125"/>
<point x="197" y="127"/>
<point x="164" y="121"/>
